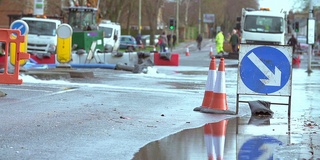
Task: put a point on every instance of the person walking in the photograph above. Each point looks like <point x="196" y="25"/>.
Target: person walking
<point x="234" y="41"/>
<point x="199" y="40"/>
<point x="164" y="42"/>
<point x="138" y="40"/>
<point x="174" y="39"/>
<point x="228" y="37"/>
<point x="219" y="43"/>
<point x="293" y="42"/>
<point x="169" y="40"/>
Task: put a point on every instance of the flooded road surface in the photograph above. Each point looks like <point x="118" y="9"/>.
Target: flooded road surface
<point x="121" y="115"/>
<point x="281" y="136"/>
<point x="237" y="138"/>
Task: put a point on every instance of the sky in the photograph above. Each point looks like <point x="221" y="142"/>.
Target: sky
<point x="277" y="5"/>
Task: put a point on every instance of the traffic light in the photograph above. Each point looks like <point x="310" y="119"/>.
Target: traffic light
<point x="172" y="24"/>
<point x="296" y="26"/>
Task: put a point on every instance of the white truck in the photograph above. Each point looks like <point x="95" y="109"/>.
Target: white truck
<point x="42" y="37"/>
<point x="263" y="27"/>
<point x="111" y="35"/>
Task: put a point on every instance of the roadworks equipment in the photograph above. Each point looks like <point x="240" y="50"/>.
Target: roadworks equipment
<point x="218" y="104"/>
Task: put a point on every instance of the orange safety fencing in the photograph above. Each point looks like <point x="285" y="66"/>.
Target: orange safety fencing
<point x="10" y="36"/>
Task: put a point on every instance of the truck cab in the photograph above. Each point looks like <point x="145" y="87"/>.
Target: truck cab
<point x="42" y="37"/>
<point x="111" y="35"/>
<point x="83" y="21"/>
<point x="263" y="27"/>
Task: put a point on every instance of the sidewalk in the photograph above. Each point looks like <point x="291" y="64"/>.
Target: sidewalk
<point x="181" y="47"/>
<point x="315" y="61"/>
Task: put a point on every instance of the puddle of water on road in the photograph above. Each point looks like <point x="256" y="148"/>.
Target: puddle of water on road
<point x="238" y="138"/>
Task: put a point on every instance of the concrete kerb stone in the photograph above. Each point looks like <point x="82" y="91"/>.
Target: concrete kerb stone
<point x="74" y="73"/>
<point x="47" y="75"/>
<point x="59" y="73"/>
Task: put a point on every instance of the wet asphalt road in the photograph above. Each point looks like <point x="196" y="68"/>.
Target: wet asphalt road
<point x="116" y="113"/>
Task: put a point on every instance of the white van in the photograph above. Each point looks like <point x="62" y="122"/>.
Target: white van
<point x="111" y="35"/>
<point x="263" y="27"/>
<point x="42" y="36"/>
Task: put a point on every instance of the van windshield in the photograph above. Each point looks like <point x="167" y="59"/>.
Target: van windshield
<point x="41" y="28"/>
<point x="267" y="24"/>
<point x="107" y="31"/>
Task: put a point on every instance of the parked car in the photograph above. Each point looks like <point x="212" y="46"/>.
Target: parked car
<point x="128" y="42"/>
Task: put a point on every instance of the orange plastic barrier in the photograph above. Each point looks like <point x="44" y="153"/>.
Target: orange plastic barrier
<point x="9" y="36"/>
<point x="174" y="61"/>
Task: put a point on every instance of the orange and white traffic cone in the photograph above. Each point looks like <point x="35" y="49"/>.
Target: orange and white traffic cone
<point x="214" y="136"/>
<point x="154" y="48"/>
<point x="187" y="51"/>
<point x="211" y="80"/>
<point x="219" y="99"/>
<point x="296" y="60"/>
<point x="211" y="52"/>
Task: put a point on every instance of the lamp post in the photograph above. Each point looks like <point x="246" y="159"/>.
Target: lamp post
<point x="177" y="22"/>
<point x="199" y="29"/>
<point x="310" y="46"/>
<point x="139" y="29"/>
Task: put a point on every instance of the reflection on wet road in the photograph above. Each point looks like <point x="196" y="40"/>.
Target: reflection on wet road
<point x="237" y="138"/>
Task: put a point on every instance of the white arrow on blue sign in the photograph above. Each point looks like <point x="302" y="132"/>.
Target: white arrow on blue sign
<point x="20" y="25"/>
<point x="265" y="69"/>
<point x="259" y="147"/>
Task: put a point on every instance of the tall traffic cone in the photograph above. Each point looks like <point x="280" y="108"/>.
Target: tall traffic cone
<point x="211" y="52"/>
<point x="187" y="51"/>
<point x="211" y="80"/>
<point x="219" y="99"/>
<point x="214" y="137"/>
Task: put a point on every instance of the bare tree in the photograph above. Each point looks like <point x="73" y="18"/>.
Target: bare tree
<point x="151" y="8"/>
<point x="233" y="10"/>
<point x="113" y="10"/>
<point x="53" y="8"/>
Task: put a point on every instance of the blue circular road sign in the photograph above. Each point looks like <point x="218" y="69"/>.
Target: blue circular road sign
<point x="258" y="147"/>
<point x="20" y="25"/>
<point x="265" y="70"/>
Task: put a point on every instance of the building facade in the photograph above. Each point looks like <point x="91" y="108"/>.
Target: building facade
<point x="11" y="10"/>
<point x="13" y="7"/>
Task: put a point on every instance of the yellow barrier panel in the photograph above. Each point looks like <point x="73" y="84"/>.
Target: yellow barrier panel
<point x="64" y="42"/>
<point x="24" y="29"/>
